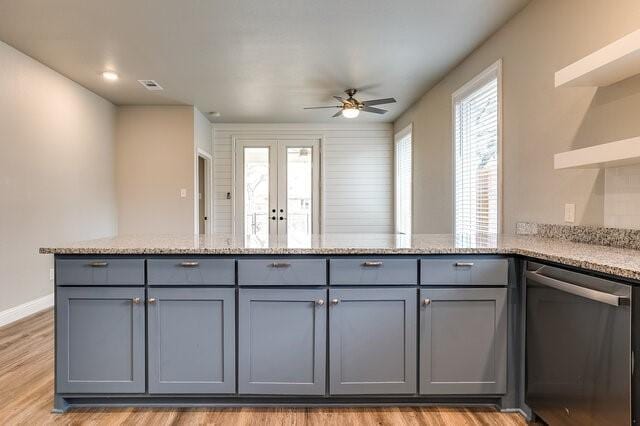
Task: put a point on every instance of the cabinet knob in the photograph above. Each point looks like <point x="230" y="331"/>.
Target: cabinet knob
<point x="320" y="302"/>
<point x="152" y="300"/>
<point x="426" y="302"/>
<point x="136" y="300"/>
<point x="335" y="301"/>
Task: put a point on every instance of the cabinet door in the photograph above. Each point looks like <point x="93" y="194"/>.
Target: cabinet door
<point x="282" y="341"/>
<point x="191" y="340"/>
<point x="373" y="341"/>
<point x="100" y="340"/>
<point x="463" y="341"/>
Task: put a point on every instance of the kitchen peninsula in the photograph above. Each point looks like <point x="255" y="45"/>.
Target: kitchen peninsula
<point x="350" y="319"/>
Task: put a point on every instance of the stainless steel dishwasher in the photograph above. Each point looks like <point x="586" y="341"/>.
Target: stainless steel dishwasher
<point x="578" y="347"/>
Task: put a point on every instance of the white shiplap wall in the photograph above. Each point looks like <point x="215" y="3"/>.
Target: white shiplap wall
<point x="356" y="166"/>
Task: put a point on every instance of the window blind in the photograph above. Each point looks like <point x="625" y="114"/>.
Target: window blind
<point x="403" y="182"/>
<point x="476" y="157"/>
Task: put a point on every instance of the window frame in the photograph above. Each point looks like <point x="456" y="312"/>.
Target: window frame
<point x="398" y="136"/>
<point x="492" y="71"/>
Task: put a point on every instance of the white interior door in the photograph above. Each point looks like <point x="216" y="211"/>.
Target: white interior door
<point x="277" y="191"/>
<point x="256" y="191"/>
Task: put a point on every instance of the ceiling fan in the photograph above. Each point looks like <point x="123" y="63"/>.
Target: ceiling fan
<point x="351" y="107"/>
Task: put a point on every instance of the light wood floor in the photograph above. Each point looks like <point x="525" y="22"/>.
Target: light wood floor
<point x="26" y="392"/>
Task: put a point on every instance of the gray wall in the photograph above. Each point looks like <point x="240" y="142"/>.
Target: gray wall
<point x="154" y="161"/>
<point x="56" y="171"/>
<point x="539" y="120"/>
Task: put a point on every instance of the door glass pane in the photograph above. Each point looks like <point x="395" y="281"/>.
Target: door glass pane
<point x="299" y="187"/>
<point x="256" y="197"/>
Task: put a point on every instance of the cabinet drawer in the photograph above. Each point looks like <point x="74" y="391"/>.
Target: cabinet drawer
<point x="370" y="271"/>
<point x="464" y="271"/>
<point x="183" y="271"/>
<point x="107" y="272"/>
<point x="282" y="271"/>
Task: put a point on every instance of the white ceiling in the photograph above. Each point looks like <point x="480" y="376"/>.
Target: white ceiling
<point x="254" y="60"/>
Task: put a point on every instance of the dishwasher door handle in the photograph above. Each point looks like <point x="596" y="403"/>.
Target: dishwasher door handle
<point x="576" y="290"/>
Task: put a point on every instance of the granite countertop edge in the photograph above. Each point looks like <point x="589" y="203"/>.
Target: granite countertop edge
<point x="578" y="260"/>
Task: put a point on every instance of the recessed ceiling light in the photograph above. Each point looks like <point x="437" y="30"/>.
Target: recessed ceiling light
<point x="214" y="114"/>
<point x="110" y="76"/>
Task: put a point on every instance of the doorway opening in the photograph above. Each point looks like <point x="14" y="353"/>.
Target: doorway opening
<point x="203" y="193"/>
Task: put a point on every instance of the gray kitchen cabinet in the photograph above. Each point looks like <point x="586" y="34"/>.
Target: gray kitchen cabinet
<point x="282" y="341"/>
<point x="464" y="271"/>
<point x="373" y="271"/>
<point x="191" y="340"/>
<point x="100" y="272"/>
<point x="282" y="271"/>
<point x="190" y="272"/>
<point x="463" y="341"/>
<point x="372" y="341"/>
<point x="100" y="334"/>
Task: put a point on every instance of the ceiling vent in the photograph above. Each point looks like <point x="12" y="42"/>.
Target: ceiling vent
<point x="150" y="85"/>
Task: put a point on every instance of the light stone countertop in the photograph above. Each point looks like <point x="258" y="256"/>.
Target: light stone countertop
<point x="609" y="260"/>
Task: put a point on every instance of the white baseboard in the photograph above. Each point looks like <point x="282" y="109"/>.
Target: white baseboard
<point x="18" y="312"/>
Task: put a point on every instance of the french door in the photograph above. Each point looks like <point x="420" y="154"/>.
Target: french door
<point x="277" y="191"/>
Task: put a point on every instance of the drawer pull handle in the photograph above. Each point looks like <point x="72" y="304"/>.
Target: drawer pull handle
<point x="426" y="302"/>
<point x="189" y="264"/>
<point x="370" y="263"/>
<point x="280" y="264"/>
<point x="335" y="301"/>
<point x="98" y="264"/>
<point x="136" y="300"/>
<point x="460" y="264"/>
<point x="320" y="302"/>
<point x="152" y="300"/>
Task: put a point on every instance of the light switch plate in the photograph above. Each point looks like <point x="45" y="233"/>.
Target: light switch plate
<point x="570" y="213"/>
<point x="183" y="193"/>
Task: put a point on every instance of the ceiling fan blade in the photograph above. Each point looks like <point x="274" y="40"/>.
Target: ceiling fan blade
<point x="374" y="110"/>
<point x="379" y="101"/>
<point x="338" y="98"/>
<point x="337" y="114"/>
<point x="323" y="107"/>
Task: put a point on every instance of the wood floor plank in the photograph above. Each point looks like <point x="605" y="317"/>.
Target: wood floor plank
<point x="26" y="398"/>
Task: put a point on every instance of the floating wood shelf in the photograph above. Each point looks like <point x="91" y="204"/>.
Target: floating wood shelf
<point x="614" y="62"/>
<point x="612" y="154"/>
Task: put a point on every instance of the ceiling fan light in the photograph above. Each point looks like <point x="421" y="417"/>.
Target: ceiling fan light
<point x="350" y="112"/>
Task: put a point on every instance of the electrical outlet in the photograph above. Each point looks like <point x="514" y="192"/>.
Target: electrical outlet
<point x="183" y="193"/>
<point x="570" y="213"/>
<point x="51" y="274"/>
